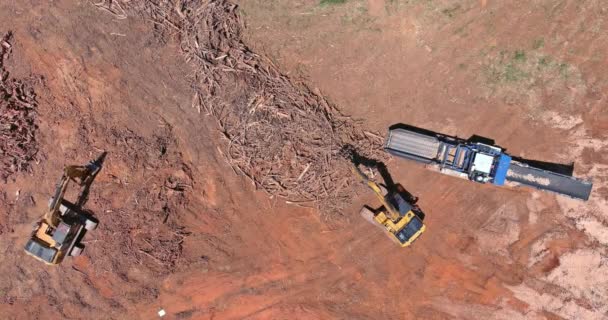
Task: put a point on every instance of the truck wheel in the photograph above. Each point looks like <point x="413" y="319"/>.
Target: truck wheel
<point x="90" y="225"/>
<point x="77" y="250"/>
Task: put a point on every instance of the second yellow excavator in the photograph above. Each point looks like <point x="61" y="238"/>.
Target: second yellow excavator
<point x="400" y="218"/>
<point x="59" y="232"/>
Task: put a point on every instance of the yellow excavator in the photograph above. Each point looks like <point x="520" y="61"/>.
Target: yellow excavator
<point x="398" y="216"/>
<point x="59" y="232"/>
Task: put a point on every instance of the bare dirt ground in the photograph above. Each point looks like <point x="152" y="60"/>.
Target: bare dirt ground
<point x="181" y="231"/>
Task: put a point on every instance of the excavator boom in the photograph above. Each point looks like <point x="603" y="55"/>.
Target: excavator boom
<point x="392" y="211"/>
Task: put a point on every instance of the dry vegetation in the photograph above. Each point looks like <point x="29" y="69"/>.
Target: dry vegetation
<point x="282" y="135"/>
<point x="17" y="118"/>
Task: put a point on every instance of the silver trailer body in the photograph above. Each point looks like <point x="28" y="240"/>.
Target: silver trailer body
<point x="413" y="145"/>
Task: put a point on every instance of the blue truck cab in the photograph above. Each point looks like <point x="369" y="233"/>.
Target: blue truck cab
<point x="489" y="164"/>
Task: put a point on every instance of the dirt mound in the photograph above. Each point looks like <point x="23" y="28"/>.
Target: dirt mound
<point x="17" y="118"/>
<point x="285" y="137"/>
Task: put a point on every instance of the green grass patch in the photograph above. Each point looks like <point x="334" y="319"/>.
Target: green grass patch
<point x="509" y="67"/>
<point x="523" y="77"/>
<point x="544" y="62"/>
<point x="563" y="70"/>
<point x="459" y="30"/>
<point x="519" y="56"/>
<point x="513" y="66"/>
<point x="538" y="43"/>
<point x="508" y="73"/>
<point x="331" y="2"/>
<point x="512" y="73"/>
<point x="451" y="11"/>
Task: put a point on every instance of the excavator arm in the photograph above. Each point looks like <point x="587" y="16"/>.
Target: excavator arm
<point x="390" y="209"/>
<point x="69" y="173"/>
<point x="83" y="176"/>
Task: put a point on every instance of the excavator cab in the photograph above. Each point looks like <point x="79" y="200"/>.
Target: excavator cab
<point x="398" y="215"/>
<point x="59" y="231"/>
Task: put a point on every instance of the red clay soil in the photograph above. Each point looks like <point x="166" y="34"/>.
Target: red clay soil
<point x="179" y="230"/>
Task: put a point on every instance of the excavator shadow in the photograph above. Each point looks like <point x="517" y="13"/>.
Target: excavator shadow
<point x="83" y="197"/>
<point x="86" y="187"/>
<point x="86" y="214"/>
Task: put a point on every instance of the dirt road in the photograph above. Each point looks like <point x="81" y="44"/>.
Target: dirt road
<point x="181" y="231"/>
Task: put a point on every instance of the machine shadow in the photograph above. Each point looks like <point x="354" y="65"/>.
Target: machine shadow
<point x="84" y="195"/>
<point x="565" y="169"/>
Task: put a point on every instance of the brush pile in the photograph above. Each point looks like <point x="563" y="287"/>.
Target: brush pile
<point x="285" y="137"/>
<point x="17" y="118"/>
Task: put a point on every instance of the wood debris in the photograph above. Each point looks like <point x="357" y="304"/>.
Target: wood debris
<point x="17" y="118"/>
<point x="288" y="139"/>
